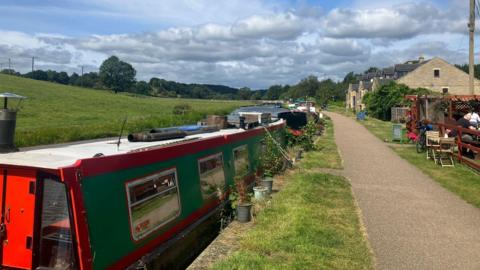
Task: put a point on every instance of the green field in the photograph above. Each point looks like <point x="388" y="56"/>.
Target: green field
<point x="55" y="113"/>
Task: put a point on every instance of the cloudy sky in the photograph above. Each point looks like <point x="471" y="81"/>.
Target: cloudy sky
<point x="253" y="43"/>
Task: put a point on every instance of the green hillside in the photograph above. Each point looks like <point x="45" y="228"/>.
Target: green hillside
<point x="54" y="113"/>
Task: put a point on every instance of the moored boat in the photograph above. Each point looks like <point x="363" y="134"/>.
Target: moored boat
<point x="104" y="205"/>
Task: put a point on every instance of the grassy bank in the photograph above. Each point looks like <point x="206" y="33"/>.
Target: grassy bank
<point x="54" y="113"/>
<point x="326" y="155"/>
<point x="312" y="223"/>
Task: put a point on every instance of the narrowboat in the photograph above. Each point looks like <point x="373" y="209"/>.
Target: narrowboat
<point x="112" y="204"/>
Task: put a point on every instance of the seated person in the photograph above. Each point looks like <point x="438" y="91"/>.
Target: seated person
<point x="465" y="123"/>
<point x="475" y="119"/>
<point x="467" y="138"/>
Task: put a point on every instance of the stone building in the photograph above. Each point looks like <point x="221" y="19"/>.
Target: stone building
<point x="435" y="74"/>
<point x="439" y="76"/>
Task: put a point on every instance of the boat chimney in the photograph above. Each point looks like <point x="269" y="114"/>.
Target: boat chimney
<point x="8" y="119"/>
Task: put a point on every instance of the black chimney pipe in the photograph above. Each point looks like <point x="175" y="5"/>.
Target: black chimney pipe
<point x="8" y="121"/>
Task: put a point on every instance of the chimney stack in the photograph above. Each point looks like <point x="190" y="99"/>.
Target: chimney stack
<point x="8" y="119"/>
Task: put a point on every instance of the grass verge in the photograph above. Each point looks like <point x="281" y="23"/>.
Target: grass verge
<point x="312" y="223"/>
<point x="327" y="155"/>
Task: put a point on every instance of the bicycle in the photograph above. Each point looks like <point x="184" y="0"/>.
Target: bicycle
<point x="421" y="144"/>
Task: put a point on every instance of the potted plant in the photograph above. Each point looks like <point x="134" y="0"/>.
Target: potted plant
<point x="267" y="181"/>
<point x="240" y="200"/>
<point x="260" y="192"/>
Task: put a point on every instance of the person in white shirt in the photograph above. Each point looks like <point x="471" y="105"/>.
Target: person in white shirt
<point x="475" y="120"/>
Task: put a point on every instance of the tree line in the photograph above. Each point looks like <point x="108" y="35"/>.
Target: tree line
<point x="119" y="76"/>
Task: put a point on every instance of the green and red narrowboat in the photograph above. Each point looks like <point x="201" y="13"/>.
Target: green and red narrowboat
<point x="99" y="205"/>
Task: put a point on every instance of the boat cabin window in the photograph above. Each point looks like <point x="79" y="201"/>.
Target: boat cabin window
<point x="153" y="201"/>
<point x="212" y="175"/>
<point x="240" y="157"/>
<point x="56" y="249"/>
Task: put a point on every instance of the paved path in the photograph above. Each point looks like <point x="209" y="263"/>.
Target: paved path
<point x="411" y="221"/>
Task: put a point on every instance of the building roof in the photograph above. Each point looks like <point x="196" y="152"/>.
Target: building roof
<point x="405" y="67"/>
<point x="395" y="72"/>
<point x="390" y="71"/>
<point x="408" y="66"/>
<point x="355" y="86"/>
<point x="367" y="85"/>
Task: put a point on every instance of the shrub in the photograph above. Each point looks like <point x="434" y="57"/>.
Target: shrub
<point x="304" y="138"/>
<point x="271" y="159"/>
<point x="380" y="102"/>
<point x="181" y="109"/>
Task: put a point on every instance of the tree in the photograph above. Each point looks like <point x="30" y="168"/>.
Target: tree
<point x="62" y="78"/>
<point x="380" y="102"/>
<point x="200" y="92"/>
<point x="142" y="88"/>
<point x="274" y="92"/>
<point x="10" y="72"/>
<point x="306" y="87"/>
<point x="244" y="93"/>
<point x="257" y="95"/>
<point x="117" y="75"/>
<point x="74" y="79"/>
<point x="89" y="80"/>
<point x="37" y="75"/>
<point x="371" y="69"/>
<point x="349" y="78"/>
<point x="52" y="75"/>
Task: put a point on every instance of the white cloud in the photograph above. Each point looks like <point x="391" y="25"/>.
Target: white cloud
<point x="253" y="46"/>
<point x="278" y="26"/>
<point x="398" y="22"/>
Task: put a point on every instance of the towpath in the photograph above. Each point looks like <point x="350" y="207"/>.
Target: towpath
<point x="411" y="221"/>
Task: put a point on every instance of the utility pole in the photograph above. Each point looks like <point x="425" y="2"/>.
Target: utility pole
<point x="33" y="63"/>
<point x="81" y="80"/>
<point x="9" y="66"/>
<point x="471" y="28"/>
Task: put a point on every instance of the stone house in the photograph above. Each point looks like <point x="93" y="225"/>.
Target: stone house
<point x="439" y="76"/>
<point x="435" y="74"/>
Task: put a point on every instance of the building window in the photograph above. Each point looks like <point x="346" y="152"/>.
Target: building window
<point x="240" y="157"/>
<point x="445" y="90"/>
<point x="436" y="73"/>
<point x="212" y="175"/>
<point x="152" y="201"/>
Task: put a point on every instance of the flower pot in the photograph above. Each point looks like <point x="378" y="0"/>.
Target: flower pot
<point x="260" y="193"/>
<point x="243" y="212"/>
<point x="268" y="183"/>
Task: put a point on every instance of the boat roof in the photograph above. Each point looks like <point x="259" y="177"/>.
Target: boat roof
<point x="271" y="109"/>
<point x="58" y="156"/>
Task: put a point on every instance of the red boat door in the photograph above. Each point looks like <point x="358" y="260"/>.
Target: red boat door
<point x="17" y="206"/>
